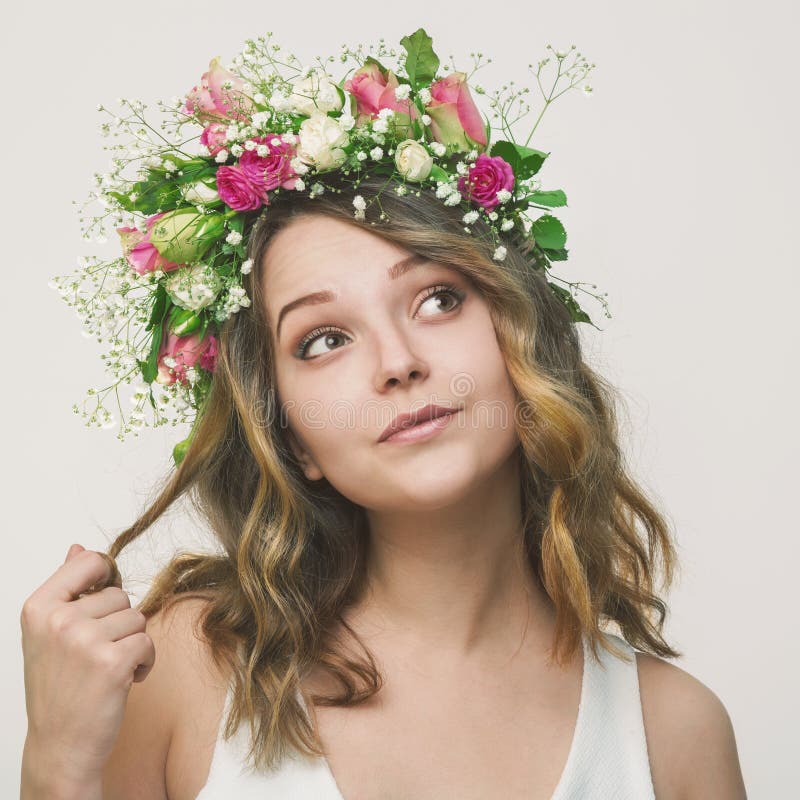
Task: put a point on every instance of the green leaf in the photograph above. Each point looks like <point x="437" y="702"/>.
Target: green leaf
<point x="549" y="232"/>
<point x="161" y="304"/>
<point x="556" y="255"/>
<point x="438" y="173"/>
<point x="524" y="161"/>
<point x="194" y="173"/>
<point x="123" y="200"/>
<point x="236" y="223"/>
<point x="576" y="312"/>
<point x="152" y="194"/>
<point x="150" y="367"/>
<point x="421" y="62"/>
<point x="159" y="310"/>
<point x="552" y="199"/>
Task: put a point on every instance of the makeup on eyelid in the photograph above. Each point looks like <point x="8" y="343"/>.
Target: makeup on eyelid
<point x="305" y="341"/>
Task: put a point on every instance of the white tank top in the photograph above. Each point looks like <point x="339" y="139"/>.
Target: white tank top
<point x="607" y="757"/>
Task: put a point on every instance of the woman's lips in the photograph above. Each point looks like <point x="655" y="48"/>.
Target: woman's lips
<point x="422" y="430"/>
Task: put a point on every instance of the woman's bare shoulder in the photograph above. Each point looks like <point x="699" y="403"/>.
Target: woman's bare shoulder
<point x="159" y="706"/>
<point x="690" y="737"/>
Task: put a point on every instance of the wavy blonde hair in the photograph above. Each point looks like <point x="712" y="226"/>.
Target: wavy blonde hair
<point x="295" y="550"/>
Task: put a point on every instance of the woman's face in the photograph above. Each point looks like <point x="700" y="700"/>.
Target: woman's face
<point x="388" y="342"/>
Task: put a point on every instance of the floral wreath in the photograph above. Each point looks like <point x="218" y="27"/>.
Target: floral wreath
<point x="269" y="125"/>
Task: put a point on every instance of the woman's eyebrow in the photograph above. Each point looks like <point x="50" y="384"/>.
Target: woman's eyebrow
<point x="315" y="298"/>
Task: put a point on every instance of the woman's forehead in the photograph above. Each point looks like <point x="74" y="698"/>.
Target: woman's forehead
<point x="316" y="244"/>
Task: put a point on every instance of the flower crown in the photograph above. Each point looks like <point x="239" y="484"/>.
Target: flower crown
<point x="270" y="125"/>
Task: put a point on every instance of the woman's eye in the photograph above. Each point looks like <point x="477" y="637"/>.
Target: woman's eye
<point x="455" y="297"/>
<point x="305" y="349"/>
<point x="308" y="342"/>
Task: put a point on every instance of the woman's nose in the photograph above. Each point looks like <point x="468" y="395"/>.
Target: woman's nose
<point x="398" y="361"/>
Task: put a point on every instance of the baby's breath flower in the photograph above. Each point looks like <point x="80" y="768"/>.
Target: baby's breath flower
<point x="247" y="266"/>
<point x="425" y="96"/>
<point x="503" y="195"/>
<point x="499" y="253"/>
<point x="444" y="189"/>
<point x="234" y="238"/>
<point x="470" y="217"/>
<point x="299" y="166"/>
<point x="401" y="92"/>
<point x="299" y="185"/>
<point x="280" y="102"/>
<point x="360" y="205"/>
<point x="221" y="157"/>
<point x="438" y="148"/>
<point x="507" y="224"/>
<point x="426" y="120"/>
<point x="376" y="153"/>
<point x="236" y="150"/>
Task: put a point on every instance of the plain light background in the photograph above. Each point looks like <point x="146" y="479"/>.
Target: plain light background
<point x="681" y="173"/>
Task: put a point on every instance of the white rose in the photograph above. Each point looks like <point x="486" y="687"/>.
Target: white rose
<point x="321" y="142"/>
<point x="413" y="161"/>
<point x="193" y="287"/>
<point x="199" y="193"/>
<point x="315" y="94"/>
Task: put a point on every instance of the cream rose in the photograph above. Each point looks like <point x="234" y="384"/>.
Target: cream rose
<point x="193" y="287"/>
<point x="413" y="161"/>
<point x="321" y="141"/>
<point x="314" y="94"/>
<point x="199" y="193"/>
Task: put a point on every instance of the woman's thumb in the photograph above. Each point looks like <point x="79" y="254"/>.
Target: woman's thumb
<point x="74" y="549"/>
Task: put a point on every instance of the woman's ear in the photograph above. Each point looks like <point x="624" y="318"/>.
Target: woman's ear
<point x="309" y="466"/>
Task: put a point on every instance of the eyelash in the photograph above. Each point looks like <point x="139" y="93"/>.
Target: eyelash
<point x="440" y="288"/>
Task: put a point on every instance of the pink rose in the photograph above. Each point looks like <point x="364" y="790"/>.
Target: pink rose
<point x="455" y="119"/>
<point x="237" y="190"/>
<point x="274" y="169"/>
<point x="208" y="360"/>
<point x="187" y="351"/>
<point x="487" y="175"/>
<point x="211" y="101"/>
<point x="213" y="137"/>
<point x="139" y="252"/>
<point x="374" y="90"/>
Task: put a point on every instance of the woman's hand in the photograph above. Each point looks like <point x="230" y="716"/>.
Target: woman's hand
<point x="83" y="647"/>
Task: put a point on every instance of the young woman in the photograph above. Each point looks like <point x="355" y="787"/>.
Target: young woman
<point x="436" y="577"/>
<point x="422" y="610"/>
